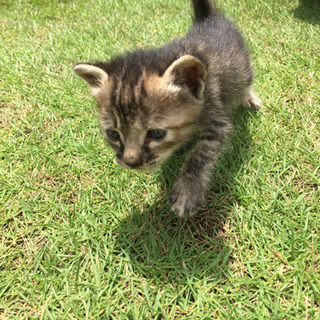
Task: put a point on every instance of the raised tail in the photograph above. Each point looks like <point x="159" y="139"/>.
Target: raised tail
<point x="203" y="10"/>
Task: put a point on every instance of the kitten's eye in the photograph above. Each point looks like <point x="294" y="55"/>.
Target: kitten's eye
<point x="157" y="134"/>
<point x="113" y="135"/>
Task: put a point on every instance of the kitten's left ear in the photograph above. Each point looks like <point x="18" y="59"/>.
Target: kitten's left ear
<point x="187" y="71"/>
<point x="92" y="74"/>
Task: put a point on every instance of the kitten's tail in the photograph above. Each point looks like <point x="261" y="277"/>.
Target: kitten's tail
<point x="203" y="10"/>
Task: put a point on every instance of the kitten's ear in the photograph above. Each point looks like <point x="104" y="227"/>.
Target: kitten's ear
<point x="187" y="71"/>
<point x="92" y="74"/>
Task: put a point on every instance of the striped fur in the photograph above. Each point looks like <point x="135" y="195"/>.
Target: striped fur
<point x="152" y="101"/>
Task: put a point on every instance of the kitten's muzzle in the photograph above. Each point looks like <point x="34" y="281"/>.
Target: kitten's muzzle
<point x="132" y="158"/>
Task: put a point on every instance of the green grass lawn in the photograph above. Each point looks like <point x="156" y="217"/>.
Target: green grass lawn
<point x="81" y="238"/>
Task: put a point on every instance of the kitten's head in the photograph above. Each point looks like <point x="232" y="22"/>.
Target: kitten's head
<point x="146" y="115"/>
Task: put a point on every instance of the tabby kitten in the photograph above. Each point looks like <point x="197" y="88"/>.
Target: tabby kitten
<point x="152" y="101"/>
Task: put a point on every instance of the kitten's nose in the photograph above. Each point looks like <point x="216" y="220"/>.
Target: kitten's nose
<point x="132" y="158"/>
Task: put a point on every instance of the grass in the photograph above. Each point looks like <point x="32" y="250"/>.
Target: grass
<point x="81" y="238"/>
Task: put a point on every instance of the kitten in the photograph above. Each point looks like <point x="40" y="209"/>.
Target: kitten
<point x="152" y="101"/>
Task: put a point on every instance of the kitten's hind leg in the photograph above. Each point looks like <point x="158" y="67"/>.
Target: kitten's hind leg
<point x="251" y="100"/>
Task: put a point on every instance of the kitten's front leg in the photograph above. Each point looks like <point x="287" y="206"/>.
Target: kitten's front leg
<point x="189" y="191"/>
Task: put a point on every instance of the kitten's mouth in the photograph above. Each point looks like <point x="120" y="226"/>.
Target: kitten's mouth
<point x="142" y="167"/>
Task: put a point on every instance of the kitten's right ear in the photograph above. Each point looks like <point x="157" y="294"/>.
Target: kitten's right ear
<point x="92" y="74"/>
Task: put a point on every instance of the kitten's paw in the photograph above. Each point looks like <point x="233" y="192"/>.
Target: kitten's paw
<point x="252" y="100"/>
<point x="186" y="199"/>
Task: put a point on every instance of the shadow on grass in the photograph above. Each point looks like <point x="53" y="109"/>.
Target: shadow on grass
<point x="161" y="246"/>
<point x="308" y="10"/>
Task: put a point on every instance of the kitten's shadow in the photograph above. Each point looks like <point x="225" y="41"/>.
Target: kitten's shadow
<point x="308" y="10"/>
<point x="160" y="245"/>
